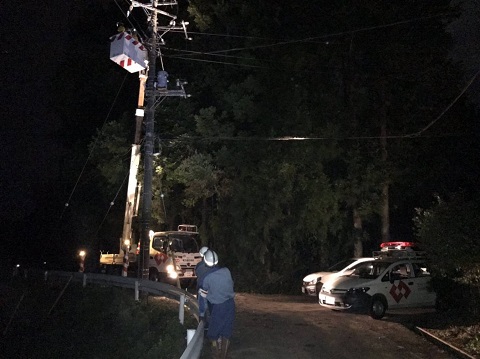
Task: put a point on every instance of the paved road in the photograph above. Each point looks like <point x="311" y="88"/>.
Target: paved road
<point x="273" y="326"/>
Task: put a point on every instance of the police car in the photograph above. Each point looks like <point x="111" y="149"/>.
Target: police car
<point x="313" y="282"/>
<point x="398" y="278"/>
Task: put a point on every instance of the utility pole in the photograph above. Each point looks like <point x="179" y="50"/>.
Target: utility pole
<point x="148" y="146"/>
<point x="152" y="94"/>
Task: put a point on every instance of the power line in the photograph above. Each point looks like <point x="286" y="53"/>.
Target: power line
<point x="220" y="62"/>
<point x="112" y="203"/>
<point x="307" y="39"/>
<point x="93" y="148"/>
<point x="465" y="88"/>
<point x="335" y="34"/>
<point x="308" y="138"/>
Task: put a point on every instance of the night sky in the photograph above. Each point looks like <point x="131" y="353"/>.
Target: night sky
<point x="34" y="40"/>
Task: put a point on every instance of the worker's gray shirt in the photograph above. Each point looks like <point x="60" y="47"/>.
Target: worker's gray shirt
<point x="219" y="284"/>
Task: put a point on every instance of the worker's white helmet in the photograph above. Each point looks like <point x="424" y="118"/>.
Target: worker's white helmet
<point x="203" y="250"/>
<point x="210" y="258"/>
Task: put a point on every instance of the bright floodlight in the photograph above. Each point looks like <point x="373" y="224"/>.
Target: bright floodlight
<point x="82" y="253"/>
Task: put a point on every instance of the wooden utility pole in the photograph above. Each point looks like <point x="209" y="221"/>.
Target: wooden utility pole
<point x="148" y="146"/>
<point x="153" y="92"/>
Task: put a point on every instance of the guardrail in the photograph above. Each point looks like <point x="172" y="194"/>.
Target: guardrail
<point x="194" y="345"/>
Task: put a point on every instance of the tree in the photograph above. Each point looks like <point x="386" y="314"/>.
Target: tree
<point x="450" y="233"/>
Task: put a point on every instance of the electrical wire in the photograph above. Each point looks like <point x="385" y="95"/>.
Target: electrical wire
<point x="298" y="138"/>
<point x="465" y="88"/>
<point x="335" y="34"/>
<point x="137" y="29"/>
<point x="220" y="62"/>
<point x="112" y="203"/>
<point x="93" y="148"/>
<point x="316" y="138"/>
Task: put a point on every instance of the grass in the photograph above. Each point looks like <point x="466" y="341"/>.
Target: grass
<point x="463" y="333"/>
<point x="37" y="320"/>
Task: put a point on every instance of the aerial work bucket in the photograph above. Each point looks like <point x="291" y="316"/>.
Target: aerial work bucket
<point x="128" y="52"/>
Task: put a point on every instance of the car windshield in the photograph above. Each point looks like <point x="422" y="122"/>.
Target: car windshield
<point x="372" y="270"/>
<point x="340" y="265"/>
<point x="178" y="242"/>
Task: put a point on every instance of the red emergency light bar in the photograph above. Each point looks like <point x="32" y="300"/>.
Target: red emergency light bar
<point x="398" y="244"/>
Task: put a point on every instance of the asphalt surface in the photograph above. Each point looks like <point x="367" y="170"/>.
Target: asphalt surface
<point x="276" y="326"/>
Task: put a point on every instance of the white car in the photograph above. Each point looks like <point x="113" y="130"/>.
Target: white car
<point x="313" y="282"/>
<point x="387" y="283"/>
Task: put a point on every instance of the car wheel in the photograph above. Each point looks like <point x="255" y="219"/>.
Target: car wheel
<point x="378" y="307"/>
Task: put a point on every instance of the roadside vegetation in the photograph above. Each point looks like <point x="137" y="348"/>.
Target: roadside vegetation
<point x="91" y="322"/>
<point x="450" y="233"/>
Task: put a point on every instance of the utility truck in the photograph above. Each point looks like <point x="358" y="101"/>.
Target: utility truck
<point x="173" y="256"/>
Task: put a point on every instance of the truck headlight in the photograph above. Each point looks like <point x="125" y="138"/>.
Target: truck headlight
<point x="173" y="275"/>
<point x="170" y="268"/>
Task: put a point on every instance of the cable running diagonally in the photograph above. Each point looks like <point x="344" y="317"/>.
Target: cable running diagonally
<point x="93" y="147"/>
<point x="112" y="203"/>
<point x="469" y="83"/>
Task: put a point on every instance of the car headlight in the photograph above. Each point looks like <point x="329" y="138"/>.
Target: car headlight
<point x="358" y="290"/>
<point x="170" y="268"/>
<point x="314" y="281"/>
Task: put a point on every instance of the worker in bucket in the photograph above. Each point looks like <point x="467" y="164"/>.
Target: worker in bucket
<point x="201" y="270"/>
<point x="217" y="288"/>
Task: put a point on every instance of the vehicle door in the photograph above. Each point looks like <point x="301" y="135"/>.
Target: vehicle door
<point x="422" y="293"/>
<point x="400" y="289"/>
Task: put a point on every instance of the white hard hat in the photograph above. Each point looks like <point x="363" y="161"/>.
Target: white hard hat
<point x="210" y="258"/>
<point x="203" y="250"/>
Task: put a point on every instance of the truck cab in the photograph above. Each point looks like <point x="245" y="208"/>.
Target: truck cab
<point x="174" y="254"/>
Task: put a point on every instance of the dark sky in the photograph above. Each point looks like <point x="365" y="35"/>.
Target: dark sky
<point x="466" y="34"/>
<point x="35" y="44"/>
<point x="33" y="36"/>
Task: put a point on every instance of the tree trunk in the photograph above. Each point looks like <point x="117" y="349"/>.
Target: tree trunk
<point x="385" y="210"/>
<point x="357" y="234"/>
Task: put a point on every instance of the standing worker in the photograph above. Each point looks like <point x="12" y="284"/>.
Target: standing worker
<point x="201" y="270"/>
<point x="217" y="287"/>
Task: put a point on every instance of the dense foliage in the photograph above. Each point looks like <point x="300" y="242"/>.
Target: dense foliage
<point x="91" y="322"/>
<point x="450" y="233"/>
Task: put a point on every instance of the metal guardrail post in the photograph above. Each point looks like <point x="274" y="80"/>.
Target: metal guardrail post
<point x="181" y="309"/>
